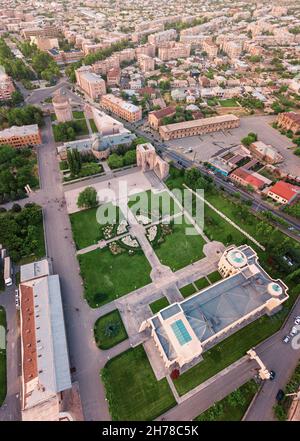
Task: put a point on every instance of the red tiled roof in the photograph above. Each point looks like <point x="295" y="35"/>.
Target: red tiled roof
<point x="285" y="190"/>
<point x="164" y="112"/>
<point x="30" y="369"/>
<point x="248" y="177"/>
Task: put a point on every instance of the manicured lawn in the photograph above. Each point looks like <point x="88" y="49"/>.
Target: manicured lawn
<point x="132" y="391"/>
<point x="233" y="407"/>
<point x="107" y="276"/>
<point x="159" y="304"/>
<point x="179" y="249"/>
<point x="82" y="127"/>
<point x="230" y="350"/>
<point x="201" y="283"/>
<point x="230" y="102"/>
<point x="2" y="360"/>
<point x="187" y="290"/>
<point x="93" y="126"/>
<point x="214" y="277"/>
<point x="78" y="114"/>
<point x="159" y="205"/>
<point x="109" y="330"/>
<point x="85" y="227"/>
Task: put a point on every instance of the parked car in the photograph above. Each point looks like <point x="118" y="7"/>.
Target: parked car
<point x="286" y="339"/>
<point x="294" y="331"/>
<point x="297" y="321"/>
<point x="272" y="375"/>
<point x="280" y="395"/>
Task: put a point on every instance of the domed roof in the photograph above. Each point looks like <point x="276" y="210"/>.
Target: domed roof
<point x="60" y="99"/>
<point x="274" y="289"/>
<point x="236" y="258"/>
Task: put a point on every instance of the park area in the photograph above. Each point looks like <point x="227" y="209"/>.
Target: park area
<point x="2" y="355"/>
<point x="132" y="391"/>
<point x="107" y="276"/>
<point x="179" y="249"/>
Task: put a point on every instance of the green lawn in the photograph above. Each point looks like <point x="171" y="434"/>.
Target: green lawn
<point x="158" y="204"/>
<point x="82" y="127"/>
<point x="179" y="249"/>
<point x="230" y="102"/>
<point x="78" y="114"/>
<point x="230" y="350"/>
<point x="2" y="360"/>
<point x="187" y="290"/>
<point x="132" y="390"/>
<point x="107" y="276"/>
<point x="85" y="227"/>
<point x="159" y="304"/>
<point x="109" y="330"/>
<point x="93" y="126"/>
<point x="233" y="407"/>
<point x="201" y="283"/>
<point x="214" y="277"/>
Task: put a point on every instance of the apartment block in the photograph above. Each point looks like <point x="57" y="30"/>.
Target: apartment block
<point x="92" y="84"/>
<point x="147" y="64"/>
<point x="122" y="108"/>
<point x="162" y="37"/>
<point x="174" y="50"/>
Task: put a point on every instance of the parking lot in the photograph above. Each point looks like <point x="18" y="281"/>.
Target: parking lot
<point x="205" y="146"/>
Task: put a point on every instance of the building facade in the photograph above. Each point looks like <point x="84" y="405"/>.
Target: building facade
<point x="62" y="108"/>
<point x="23" y="136"/>
<point x="92" y="84"/>
<point x="198" y="127"/>
<point x="6" y="87"/>
<point x="289" y="121"/>
<point x="121" y="108"/>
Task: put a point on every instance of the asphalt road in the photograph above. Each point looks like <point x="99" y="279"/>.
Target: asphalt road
<point x="85" y="357"/>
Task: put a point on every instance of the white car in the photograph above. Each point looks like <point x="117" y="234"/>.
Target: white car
<point x="297" y="321"/>
<point x="286" y="339"/>
<point x="294" y="331"/>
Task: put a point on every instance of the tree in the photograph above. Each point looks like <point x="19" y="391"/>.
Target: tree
<point x="88" y="198"/>
<point x="129" y="157"/>
<point x="115" y="161"/>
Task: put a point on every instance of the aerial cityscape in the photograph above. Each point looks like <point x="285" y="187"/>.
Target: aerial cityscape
<point x="149" y="210"/>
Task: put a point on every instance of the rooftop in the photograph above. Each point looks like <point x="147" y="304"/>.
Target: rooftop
<point x="199" y="122"/>
<point x="32" y="129"/>
<point x="285" y="190"/>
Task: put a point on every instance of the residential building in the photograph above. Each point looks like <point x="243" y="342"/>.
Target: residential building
<point x="210" y="48"/>
<point x="44" y="43"/>
<point x="147" y="64"/>
<point x="289" y="121"/>
<point x="245" y="177"/>
<point x="122" y="108"/>
<point x="183" y="331"/>
<point x="162" y="37"/>
<point x="6" y="87"/>
<point x="92" y="84"/>
<point x="21" y="136"/>
<point x="283" y="192"/>
<point x="198" y="127"/>
<point x="155" y="118"/>
<point x="265" y="152"/>
<point x="174" y="50"/>
<point x="113" y="77"/>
